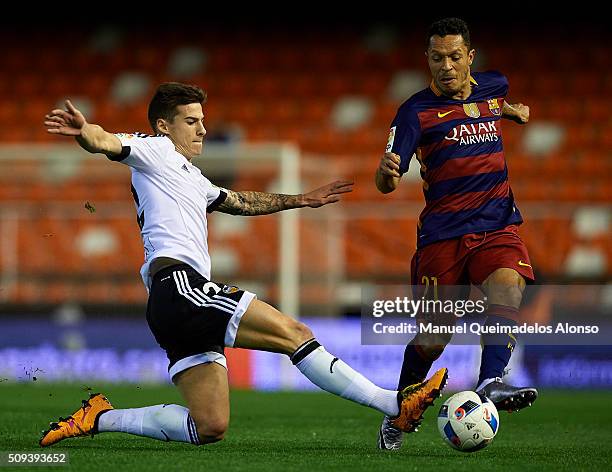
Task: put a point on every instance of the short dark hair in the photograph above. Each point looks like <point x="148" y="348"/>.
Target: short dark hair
<point x="449" y="26"/>
<point x="168" y="96"/>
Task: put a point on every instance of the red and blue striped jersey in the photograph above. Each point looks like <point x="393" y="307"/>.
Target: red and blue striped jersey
<point x="459" y="146"/>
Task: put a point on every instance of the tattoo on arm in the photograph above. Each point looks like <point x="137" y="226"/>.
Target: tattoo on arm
<point x="258" y="203"/>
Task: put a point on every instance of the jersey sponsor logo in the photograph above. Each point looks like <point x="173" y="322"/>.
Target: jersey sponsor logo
<point x="229" y="289"/>
<point x="442" y="115"/>
<point x="471" y="109"/>
<point x="391" y="139"/>
<point x="494" y="106"/>
<point x="474" y="133"/>
<point x="523" y="264"/>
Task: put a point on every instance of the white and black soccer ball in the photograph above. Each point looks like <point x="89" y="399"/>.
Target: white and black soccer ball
<point x="468" y="421"/>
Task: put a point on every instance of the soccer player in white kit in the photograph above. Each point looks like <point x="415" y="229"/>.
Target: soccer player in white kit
<point x="192" y="317"/>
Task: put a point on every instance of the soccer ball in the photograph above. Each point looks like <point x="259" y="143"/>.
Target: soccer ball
<point x="468" y="421"/>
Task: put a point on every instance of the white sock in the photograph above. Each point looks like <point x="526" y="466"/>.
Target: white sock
<point x="486" y="382"/>
<point x="333" y="375"/>
<point x="163" y="422"/>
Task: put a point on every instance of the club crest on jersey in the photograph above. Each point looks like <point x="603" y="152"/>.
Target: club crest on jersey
<point x="136" y="134"/>
<point x="494" y="106"/>
<point x="471" y="110"/>
<point x="229" y="289"/>
<point x="391" y="139"/>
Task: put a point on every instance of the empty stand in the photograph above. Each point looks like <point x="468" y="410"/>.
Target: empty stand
<point x="284" y="87"/>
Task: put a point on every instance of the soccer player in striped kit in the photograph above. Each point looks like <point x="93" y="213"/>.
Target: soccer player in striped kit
<point x="467" y="233"/>
<point x="193" y="317"/>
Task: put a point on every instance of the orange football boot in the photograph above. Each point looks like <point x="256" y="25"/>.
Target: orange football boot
<point x="80" y="423"/>
<point x="416" y="399"/>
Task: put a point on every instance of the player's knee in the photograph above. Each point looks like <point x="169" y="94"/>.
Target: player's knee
<point x="295" y="334"/>
<point x="432" y="342"/>
<point x="433" y="347"/>
<point x="434" y="351"/>
<point x="302" y="333"/>
<point x="505" y="287"/>
<point x="211" y="429"/>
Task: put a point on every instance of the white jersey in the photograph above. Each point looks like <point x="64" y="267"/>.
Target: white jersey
<point x="172" y="198"/>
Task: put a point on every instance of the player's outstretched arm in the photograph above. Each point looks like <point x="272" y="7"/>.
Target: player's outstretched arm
<point x="387" y="174"/>
<point x="261" y="203"/>
<point x="92" y="138"/>
<point x="518" y="112"/>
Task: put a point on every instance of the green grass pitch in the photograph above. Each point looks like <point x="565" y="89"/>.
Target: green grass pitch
<point x="564" y="430"/>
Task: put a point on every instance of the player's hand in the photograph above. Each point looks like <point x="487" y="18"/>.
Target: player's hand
<point x="522" y="113"/>
<point x="517" y="112"/>
<point x="329" y="193"/>
<point x="68" y="122"/>
<point x="389" y="165"/>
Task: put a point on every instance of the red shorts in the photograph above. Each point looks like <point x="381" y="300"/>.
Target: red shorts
<point x="471" y="258"/>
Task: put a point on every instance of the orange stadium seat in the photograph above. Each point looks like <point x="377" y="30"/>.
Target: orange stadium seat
<point x="593" y="163"/>
<point x="233" y="87"/>
<point x="15" y="61"/>
<point x="596" y="109"/>
<point x="221" y="58"/>
<point x="132" y="293"/>
<point x="57" y="292"/>
<point x="550" y="84"/>
<point x="323" y="60"/>
<point x="581" y="136"/>
<point x="604" y="143"/>
<point x="599" y="57"/>
<point x="586" y="83"/>
<point x="315" y="110"/>
<point x="334" y="85"/>
<point x="295" y="132"/>
<point x="29" y="85"/>
<point x="28" y="292"/>
<point x="269" y="86"/>
<point x="257" y="132"/>
<point x="289" y="59"/>
<point x="305" y="85"/>
<point x="372" y="85"/>
<point x="281" y="111"/>
<point x="565" y="110"/>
